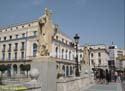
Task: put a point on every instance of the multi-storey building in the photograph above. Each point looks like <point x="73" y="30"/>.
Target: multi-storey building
<point x="98" y="55"/>
<point x="18" y="45"/>
<point x="114" y="53"/>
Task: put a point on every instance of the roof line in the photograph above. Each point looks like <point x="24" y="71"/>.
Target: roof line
<point x="13" y="25"/>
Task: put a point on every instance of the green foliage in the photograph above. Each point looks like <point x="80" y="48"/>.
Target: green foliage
<point x="0" y="81"/>
<point x="3" y="68"/>
<point x="26" y="67"/>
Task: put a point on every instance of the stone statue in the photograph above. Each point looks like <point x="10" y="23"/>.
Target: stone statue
<point x="86" y="56"/>
<point x="46" y="33"/>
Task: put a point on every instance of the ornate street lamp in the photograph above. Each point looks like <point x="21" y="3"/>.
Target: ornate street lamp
<point x="76" y="38"/>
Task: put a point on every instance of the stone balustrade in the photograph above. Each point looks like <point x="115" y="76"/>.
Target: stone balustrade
<point x="73" y="84"/>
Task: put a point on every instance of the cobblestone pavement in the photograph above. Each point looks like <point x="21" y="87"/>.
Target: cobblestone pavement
<point x="123" y="86"/>
<point x="106" y="87"/>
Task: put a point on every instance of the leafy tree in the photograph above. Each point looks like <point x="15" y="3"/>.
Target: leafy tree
<point x="0" y="81"/>
<point x="3" y="68"/>
<point x="27" y="68"/>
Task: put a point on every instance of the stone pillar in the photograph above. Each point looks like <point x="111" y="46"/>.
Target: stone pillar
<point x="47" y="68"/>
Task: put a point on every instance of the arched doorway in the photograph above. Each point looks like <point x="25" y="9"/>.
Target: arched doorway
<point x="9" y="70"/>
<point x="15" y="68"/>
<point x="71" y="70"/>
<point x="21" y="69"/>
<point x="63" y="68"/>
<point x="67" y="71"/>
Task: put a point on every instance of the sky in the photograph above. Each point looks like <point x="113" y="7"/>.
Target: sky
<point x="96" y="21"/>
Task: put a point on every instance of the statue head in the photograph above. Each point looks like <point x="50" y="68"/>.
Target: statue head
<point x="48" y="13"/>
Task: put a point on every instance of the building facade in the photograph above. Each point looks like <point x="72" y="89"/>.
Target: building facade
<point x="18" y="46"/>
<point x="114" y="53"/>
<point x="98" y="55"/>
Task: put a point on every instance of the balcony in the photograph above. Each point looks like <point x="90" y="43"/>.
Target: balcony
<point x="15" y="49"/>
<point x="3" y="50"/>
<point x="22" y="49"/>
<point x="9" y="50"/>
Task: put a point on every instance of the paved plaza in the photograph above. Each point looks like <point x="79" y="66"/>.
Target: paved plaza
<point x="107" y="87"/>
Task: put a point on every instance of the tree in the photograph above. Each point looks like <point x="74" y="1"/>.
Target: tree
<point x="22" y="67"/>
<point x="3" y="68"/>
<point x="27" y="68"/>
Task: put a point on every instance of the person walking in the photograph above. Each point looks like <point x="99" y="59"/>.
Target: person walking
<point x="116" y="75"/>
<point x="107" y="76"/>
<point x="110" y="76"/>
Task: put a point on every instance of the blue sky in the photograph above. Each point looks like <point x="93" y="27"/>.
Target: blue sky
<point x="96" y="21"/>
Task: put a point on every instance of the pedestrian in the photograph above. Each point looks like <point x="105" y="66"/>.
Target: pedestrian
<point x="107" y="76"/>
<point x="102" y="76"/>
<point x="116" y="76"/>
<point x="121" y="76"/>
<point x="110" y="76"/>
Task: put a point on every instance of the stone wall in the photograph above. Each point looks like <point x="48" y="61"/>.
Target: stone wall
<point x="74" y="84"/>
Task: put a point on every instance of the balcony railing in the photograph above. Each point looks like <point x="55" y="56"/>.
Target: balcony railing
<point x="22" y="49"/>
<point x="9" y="50"/>
<point x="15" y="49"/>
<point x="3" y="50"/>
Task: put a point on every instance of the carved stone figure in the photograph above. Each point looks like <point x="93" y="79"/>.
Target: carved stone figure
<point x="47" y="31"/>
<point x="86" y="55"/>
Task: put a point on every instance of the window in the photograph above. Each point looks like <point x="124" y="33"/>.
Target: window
<point x="67" y="71"/>
<point x="10" y="37"/>
<point x="22" y="26"/>
<point x="80" y="55"/>
<point x="34" y="49"/>
<point x="66" y="54"/>
<point x="56" y="51"/>
<point x="9" y="56"/>
<point x="99" y="61"/>
<point x="91" y="54"/>
<point x="16" y="36"/>
<point x="16" y="27"/>
<point x="92" y="62"/>
<point x="34" y="33"/>
<point x="9" y="47"/>
<point x="62" y="53"/>
<point x="70" y="55"/>
<point x="3" y="58"/>
<point x="4" y="47"/>
<point x="71" y="70"/>
<point x="99" y="54"/>
<point x="57" y="37"/>
<point x="22" y="55"/>
<point x="15" y="55"/>
<point x="62" y="40"/>
<point x="16" y="46"/>
<point x="23" y="35"/>
<point x="0" y="38"/>
<point x="4" y="38"/>
<point x="22" y="45"/>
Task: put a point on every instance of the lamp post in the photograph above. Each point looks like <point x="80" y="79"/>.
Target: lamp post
<point x="76" y="38"/>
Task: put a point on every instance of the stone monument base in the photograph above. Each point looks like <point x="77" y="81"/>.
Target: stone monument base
<point x="47" y="76"/>
<point x="86" y="70"/>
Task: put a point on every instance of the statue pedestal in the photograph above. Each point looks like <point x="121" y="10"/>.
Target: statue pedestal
<point x="86" y="71"/>
<point x="47" y="72"/>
